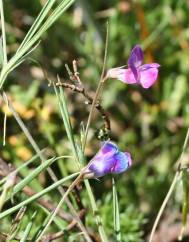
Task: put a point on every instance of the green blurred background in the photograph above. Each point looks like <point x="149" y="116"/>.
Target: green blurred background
<point x="151" y="124"/>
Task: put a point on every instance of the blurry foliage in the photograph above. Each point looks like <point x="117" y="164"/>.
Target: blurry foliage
<point x="151" y="124"/>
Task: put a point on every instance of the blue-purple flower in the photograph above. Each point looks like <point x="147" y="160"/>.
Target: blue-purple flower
<point x="109" y="160"/>
<point x="144" y="75"/>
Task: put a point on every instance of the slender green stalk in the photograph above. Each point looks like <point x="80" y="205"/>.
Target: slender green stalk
<point x="3" y="197"/>
<point x="53" y="214"/>
<point x="171" y="189"/>
<point x="96" y="212"/>
<point x="116" y="216"/>
<point x="98" y="90"/>
<point x="41" y="226"/>
<point x="185" y="203"/>
<point x="4" y="129"/>
<point x="3" y="33"/>
<point x="28" y="229"/>
<point x="58" y="221"/>
<point x="89" y="190"/>
<point x="66" y="121"/>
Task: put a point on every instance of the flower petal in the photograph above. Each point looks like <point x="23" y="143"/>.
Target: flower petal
<point x="136" y="57"/>
<point x="102" y="166"/>
<point x="103" y="160"/>
<point x="127" y="76"/>
<point x="107" y="149"/>
<point x="108" y="160"/>
<point x="148" y="66"/>
<point x="135" y="60"/>
<point x="122" y="162"/>
<point x="148" y="75"/>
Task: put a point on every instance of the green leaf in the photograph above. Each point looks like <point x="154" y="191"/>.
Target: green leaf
<point x="1" y="52"/>
<point x="28" y="228"/>
<point x="37" y="195"/>
<point x="116" y="215"/>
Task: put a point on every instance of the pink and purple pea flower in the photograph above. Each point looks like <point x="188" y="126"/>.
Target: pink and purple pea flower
<point x="144" y="75"/>
<point x="109" y="160"/>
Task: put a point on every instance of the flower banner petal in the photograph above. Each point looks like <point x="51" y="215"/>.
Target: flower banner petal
<point x="122" y="162"/>
<point x="148" y="77"/>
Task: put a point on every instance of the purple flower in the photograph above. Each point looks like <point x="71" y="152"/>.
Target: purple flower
<point x="144" y="75"/>
<point x="109" y="160"/>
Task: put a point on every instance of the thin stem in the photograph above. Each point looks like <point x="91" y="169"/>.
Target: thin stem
<point x="116" y="214"/>
<point x="59" y="205"/>
<point x="171" y="189"/>
<point x="99" y="88"/>
<point x="71" y="207"/>
<point x="55" y="236"/>
<point x="75" y="182"/>
<point x="96" y="212"/>
<point x="94" y="206"/>
<point x="3" y="33"/>
<point x="4" y="129"/>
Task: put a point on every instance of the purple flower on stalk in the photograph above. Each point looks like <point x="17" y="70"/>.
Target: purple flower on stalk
<point x="109" y="160"/>
<point x="144" y="75"/>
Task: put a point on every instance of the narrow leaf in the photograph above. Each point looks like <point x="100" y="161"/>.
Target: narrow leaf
<point x="116" y="212"/>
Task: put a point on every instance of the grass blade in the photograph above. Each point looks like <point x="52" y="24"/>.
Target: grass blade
<point x="116" y="212"/>
<point x="66" y="120"/>
<point x="171" y="189"/>
<point x="65" y="117"/>
<point x="44" y="11"/>
<point x="62" y="7"/>
<point x="3" y="33"/>
<point x="96" y="212"/>
<point x="38" y="195"/>
<point x="28" y="229"/>
<point x="22" y="166"/>
<point x="32" y="175"/>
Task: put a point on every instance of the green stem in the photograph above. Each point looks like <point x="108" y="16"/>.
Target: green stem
<point x="53" y="215"/>
<point x="171" y="189"/>
<point x="103" y="78"/>
<point x="96" y="212"/>
<point x="116" y="214"/>
<point x="98" y="90"/>
<point x="3" y="33"/>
